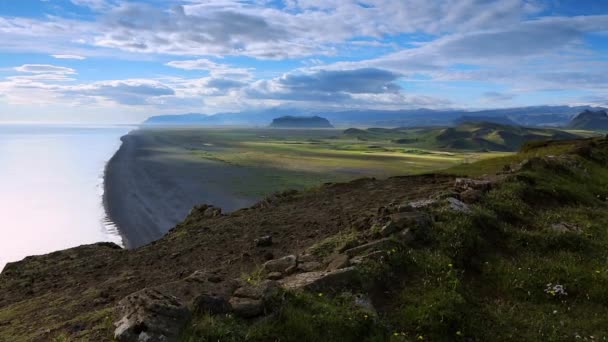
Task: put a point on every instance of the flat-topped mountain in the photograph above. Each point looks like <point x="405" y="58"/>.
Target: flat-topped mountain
<point x="590" y="120"/>
<point x="300" y="122"/>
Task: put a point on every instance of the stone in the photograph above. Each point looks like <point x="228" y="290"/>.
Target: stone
<point x="212" y="304"/>
<point x="309" y="266"/>
<point x="280" y="265"/>
<point x="302" y="258"/>
<point x="374" y="245"/>
<point x="212" y="212"/>
<point x="263" y="241"/>
<point x="274" y="275"/>
<point x="459" y="206"/>
<point x="322" y="280"/>
<point x="462" y="184"/>
<point x="337" y="262"/>
<point x="246" y="307"/>
<point x="264" y="290"/>
<point x="150" y="315"/>
<point x="376" y="255"/>
<point x="416" y="205"/>
<point x="564" y="227"/>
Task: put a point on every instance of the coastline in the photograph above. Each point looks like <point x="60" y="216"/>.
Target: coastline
<point x="151" y="183"/>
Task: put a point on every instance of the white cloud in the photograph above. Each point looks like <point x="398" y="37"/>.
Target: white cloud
<point x="68" y="57"/>
<point x="44" y="69"/>
<point x="214" y="69"/>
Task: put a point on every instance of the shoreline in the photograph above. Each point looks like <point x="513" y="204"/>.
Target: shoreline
<point x="152" y="182"/>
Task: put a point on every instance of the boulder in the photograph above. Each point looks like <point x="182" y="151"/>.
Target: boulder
<point x="150" y="315"/>
<point x="400" y="221"/>
<point x="374" y="245"/>
<point x="247" y="307"/>
<point x="463" y="184"/>
<point x="302" y="258"/>
<point x="310" y="266"/>
<point x="322" y="280"/>
<point x="264" y="290"/>
<point x="458" y="206"/>
<point x="211" y="304"/>
<point x="376" y="255"/>
<point x="416" y="205"/>
<point x="280" y="265"/>
<point x="274" y="275"/>
<point x="564" y="227"/>
<point x="337" y="262"/>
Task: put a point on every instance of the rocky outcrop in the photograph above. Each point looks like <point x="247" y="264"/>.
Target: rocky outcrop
<point x="321" y="281"/>
<point x="150" y="315"/>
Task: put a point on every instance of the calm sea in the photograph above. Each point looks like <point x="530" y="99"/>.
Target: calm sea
<point x="51" y="187"/>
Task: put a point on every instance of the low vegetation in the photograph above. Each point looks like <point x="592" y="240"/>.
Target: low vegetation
<point x="527" y="263"/>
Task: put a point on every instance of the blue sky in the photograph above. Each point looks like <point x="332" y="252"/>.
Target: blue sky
<point x="121" y="61"/>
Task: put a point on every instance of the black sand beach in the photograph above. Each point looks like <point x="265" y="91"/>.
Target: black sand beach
<point x="151" y="184"/>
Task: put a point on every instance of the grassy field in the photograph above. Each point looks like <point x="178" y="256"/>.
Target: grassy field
<point x="280" y="159"/>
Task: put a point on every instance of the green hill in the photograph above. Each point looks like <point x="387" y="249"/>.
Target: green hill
<point x="590" y="120"/>
<point x="466" y="136"/>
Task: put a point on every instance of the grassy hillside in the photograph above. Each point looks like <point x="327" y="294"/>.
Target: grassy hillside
<point x="520" y="257"/>
<point x="475" y="136"/>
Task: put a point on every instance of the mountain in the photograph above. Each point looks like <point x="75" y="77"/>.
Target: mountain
<point x="466" y="136"/>
<point x="590" y="120"/>
<point x="529" y="116"/>
<point x="481" y="252"/>
<point x="300" y="122"/>
<point x="495" y="119"/>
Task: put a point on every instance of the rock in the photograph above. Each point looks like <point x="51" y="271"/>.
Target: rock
<point x="416" y="205"/>
<point x="564" y="227"/>
<point x="403" y="220"/>
<point x="322" y="280"/>
<point x="302" y="258"/>
<point x="211" y="304"/>
<point x="309" y="266"/>
<point x="246" y="307"/>
<point x="458" y="205"/>
<point x="374" y="245"/>
<point x="463" y="184"/>
<point x="280" y="265"/>
<point x="264" y="290"/>
<point x="365" y="303"/>
<point x="471" y="196"/>
<point x="338" y="262"/>
<point x="212" y="212"/>
<point x="274" y="275"/>
<point x="376" y="255"/>
<point x="150" y="315"/>
<point x="264" y="241"/>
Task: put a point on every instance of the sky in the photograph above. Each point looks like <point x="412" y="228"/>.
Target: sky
<point x="115" y="61"/>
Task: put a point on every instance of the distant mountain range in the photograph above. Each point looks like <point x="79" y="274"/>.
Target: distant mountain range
<point x="466" y="136"/>
<point x="300" y="122"/>
<point x="590" y="120"/>
<point x="525" y="116"/>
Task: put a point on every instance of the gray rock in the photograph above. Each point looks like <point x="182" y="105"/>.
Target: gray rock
<point x="264" y="241"/>
<point x="564" y="227"/>
<point x="302" y="258"/>
<point x="247" y="307"/>
<point x="416" y="205"/>
<point x="280" y="265"/>
<point x="458" y="205"/>
<point x="337" y="262"/>
<point x="274" y="275"/>
<point x="322" y="280"/>
<point x="374" y="245"/>
<point x="463" y="184"/>
<point x="211" y="304"/>
<point x="376" y="255"/>
<point x="150" y="315"/>
<point x="310" y="266"/>
<point x="264" y="290"/>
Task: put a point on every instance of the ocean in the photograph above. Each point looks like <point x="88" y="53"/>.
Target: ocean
<point x="51" y="187"/>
